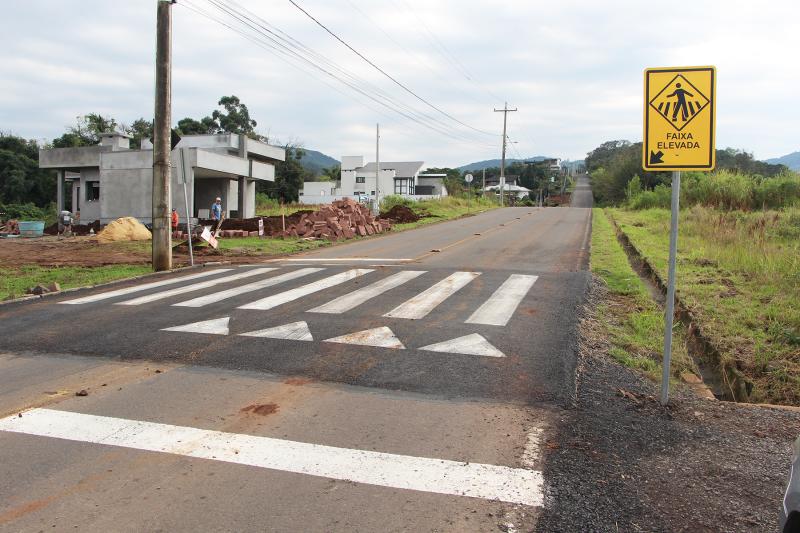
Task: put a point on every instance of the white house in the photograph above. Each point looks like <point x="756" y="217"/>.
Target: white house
<point x="358" y="180"/>
<point x="110" y="180"/>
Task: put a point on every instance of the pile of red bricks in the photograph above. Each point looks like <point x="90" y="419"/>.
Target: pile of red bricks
<point x="343" y="219"/>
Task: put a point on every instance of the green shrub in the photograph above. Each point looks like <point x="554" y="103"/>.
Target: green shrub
<point x="392" y="200"/>
<point x="27" y="212"/>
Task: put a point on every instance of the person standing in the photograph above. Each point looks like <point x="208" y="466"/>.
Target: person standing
<point x="175" y="220"/>
<point x="216" y="209"/>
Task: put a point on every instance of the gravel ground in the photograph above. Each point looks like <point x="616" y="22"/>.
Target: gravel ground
<point x="621" y="462"/>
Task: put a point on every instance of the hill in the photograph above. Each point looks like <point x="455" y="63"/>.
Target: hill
<point x="791" y="160"/>
<point x="314" y="161"/>
<point x="493" y="163"/>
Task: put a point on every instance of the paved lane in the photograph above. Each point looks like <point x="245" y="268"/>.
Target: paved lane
<point x="448" y="363"/>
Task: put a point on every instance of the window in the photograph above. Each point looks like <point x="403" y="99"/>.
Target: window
<point x="92" y="191"/>
<point x="401" y="186"/>
<point x="360" y="179"/>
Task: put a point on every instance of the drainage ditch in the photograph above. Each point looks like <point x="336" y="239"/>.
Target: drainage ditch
<point x="725" y="380"/>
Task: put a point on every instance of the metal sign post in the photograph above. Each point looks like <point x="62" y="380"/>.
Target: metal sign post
<point x="670" y="311"/>
<point x="186" y="204"/>
<point x="679" y="134"/>
<point x="468" y="179"/>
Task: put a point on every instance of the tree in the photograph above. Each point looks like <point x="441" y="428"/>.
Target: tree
<point x="204" y="126"/>
<point x="21" y="179"/>
<point x="139" y="130"/>
<point x="86" y="131"/>
<point x="236" y="118"/>
<point x="330" y="174"/>
<point x="289" y="177"/>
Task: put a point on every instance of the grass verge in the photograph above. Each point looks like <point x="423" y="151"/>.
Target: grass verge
<point x="15" y="281"/>
<point x="629" y="318"/>
<point x="267" y="246"/>
<point x="739" y="275"/>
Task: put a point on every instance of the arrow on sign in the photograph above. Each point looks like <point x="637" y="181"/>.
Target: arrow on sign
<point x="655" y="157"/>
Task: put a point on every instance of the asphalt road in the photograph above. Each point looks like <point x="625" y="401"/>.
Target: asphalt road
<point x="405" y="382"/>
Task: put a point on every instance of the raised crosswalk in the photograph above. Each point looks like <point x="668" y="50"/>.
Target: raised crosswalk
<point x="420" y="305"/>
<point x="195" y="287"/>
<point x="293" y="294"/>
<point x="496" y="310"/>
<point x="250" y="287"/>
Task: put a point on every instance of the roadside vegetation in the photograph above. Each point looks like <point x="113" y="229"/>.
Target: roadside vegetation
<point x="437" y="210"/>
<point x="15" y="281"/>
<point x="630" y="319"/>
<point x="738" y="254"/>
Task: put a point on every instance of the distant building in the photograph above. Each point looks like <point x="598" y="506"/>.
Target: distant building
<point x="357" y="180"/>
<point x="110" y="180"/>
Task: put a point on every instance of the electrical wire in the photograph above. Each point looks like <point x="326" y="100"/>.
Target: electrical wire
<point x="270" y="41"/>
<point x="382" y="71"/>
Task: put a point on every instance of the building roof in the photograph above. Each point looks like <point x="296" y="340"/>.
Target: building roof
<point x="403" y="169"/>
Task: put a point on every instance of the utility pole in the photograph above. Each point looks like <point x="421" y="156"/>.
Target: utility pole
<point x="505" y="112"/>
<point x="483" y="186"/>
<point x="377" y="169"/>
<point x="162" y="175"/>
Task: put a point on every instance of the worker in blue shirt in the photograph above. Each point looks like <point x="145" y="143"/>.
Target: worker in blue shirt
<point x="216" y="209"/>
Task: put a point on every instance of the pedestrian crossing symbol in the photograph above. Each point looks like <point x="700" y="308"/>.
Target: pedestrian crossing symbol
<point x="679" y="102"/>
<point x="679" y="118"/>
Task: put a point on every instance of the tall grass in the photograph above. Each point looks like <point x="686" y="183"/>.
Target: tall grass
<point x="723" y="190"/>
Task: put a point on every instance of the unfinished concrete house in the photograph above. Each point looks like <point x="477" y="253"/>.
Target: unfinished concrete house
<point x="111" y="180"/>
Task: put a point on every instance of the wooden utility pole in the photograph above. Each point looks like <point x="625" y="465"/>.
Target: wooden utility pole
<point x="162" y="174"/>
<point x="483" y="186"/>
<point x="505" y="112"/>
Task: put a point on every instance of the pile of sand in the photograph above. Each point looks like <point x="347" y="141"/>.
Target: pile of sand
<point x="124" y="229"/>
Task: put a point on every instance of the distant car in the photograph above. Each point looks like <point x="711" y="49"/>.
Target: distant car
<point x="790" y="510"/>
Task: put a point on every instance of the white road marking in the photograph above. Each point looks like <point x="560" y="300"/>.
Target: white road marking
<point x="439" y="476"/>
<point x="243" y="289"/>
<point x="195" y="287"/>
<point x="500" y="307"/>
<point x="217" y="326"/>
<point x="382" y="337"/>
<point x="473" y="344"/>
<point x="533" y="446"/>
<point x="288" y="296"/>
<point x="296" y="331"/>
<point x="340" y="259"/>
<point x="360" y="296"/>
<point x="423" y="303"/>
<point x="143" y="287"/>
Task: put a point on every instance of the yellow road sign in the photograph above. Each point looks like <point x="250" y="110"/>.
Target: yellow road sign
<point x="679" y="118"/>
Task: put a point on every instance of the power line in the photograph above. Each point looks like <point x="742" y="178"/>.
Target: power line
<point x="447" y="55"/>
<point x="379" y="69"/>
<point x="295" y="44"/>
<point x="279" y="46"/>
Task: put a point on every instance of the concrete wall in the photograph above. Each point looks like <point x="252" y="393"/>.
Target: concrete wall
<point x="84" y="156"/>
<point x="318" y="188"/>
<point x="352" y="162"/>
<point x="207" y="189"/>
<point x="90" y="210"/>
<point x="437" y="184"/>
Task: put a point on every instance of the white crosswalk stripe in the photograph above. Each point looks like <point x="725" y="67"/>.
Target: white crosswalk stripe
<point x="143" y="287"/>
<point x="425" y="302"/>
<point x="195" y="287"/>
<point x="360" y="296"/>
<point x="500" y="307"/>
<point x="249" y="287"/>
<point x="288" y="296"/>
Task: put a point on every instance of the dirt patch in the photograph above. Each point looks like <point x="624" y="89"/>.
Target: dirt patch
<point x="401" y="214"/>
<point x="263" y="409"/>
<point x="619" y="461"/>
<point x="298" y="381"/>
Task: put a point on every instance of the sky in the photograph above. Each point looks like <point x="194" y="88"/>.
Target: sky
<point x="573" y="69"/>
